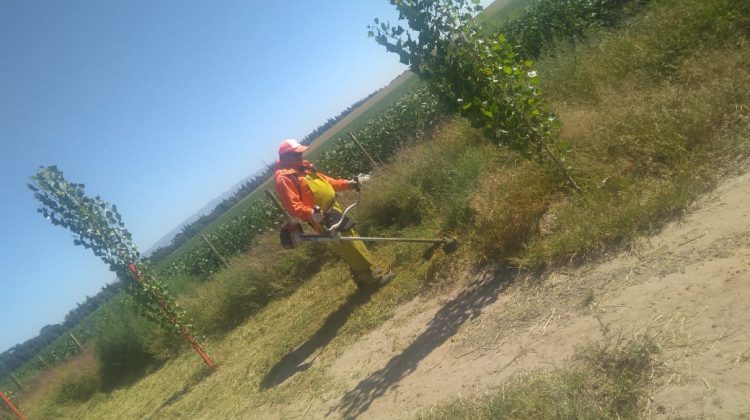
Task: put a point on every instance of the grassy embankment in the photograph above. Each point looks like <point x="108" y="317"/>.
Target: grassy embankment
<point x="655" y="112"/>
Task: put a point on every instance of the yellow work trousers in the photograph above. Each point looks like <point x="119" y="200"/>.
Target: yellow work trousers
<point x="354" y="253"/>
<point x="357" y="256"/>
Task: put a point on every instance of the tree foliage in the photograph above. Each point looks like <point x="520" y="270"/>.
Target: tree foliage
<point x="480" y="77"/>
<point x="97" y="225"/>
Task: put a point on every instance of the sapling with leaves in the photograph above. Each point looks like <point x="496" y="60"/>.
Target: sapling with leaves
<point x="97" y="225"/>
<point x="481" y="77"/>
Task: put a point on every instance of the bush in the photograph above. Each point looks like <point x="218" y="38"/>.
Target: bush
<point x="78" y="385"/>
<point x="431" y="180"/>
<point x="124" y="344"/>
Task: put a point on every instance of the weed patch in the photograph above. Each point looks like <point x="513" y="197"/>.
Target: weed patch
<point x="124" y="346"/>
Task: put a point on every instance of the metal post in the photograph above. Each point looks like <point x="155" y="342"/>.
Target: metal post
<point x="12" y="407"/>
<point x="216" y="253"/>
<point x="18" y="383"/>
<point x="78" y="343"/>
<point x="367" y="155"/>
<point x="138" y="276"/>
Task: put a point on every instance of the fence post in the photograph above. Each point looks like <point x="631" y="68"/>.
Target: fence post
<point x="78" y="343"/>
<point x="12" y="407"/>
<point x="372" y="161"/>
<point x="44" y="362"/>
<point x="18" y="383"/>
<point x="216" y="253"/>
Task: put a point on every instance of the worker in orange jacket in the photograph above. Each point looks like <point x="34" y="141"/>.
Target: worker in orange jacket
<point x="310" y="195"/>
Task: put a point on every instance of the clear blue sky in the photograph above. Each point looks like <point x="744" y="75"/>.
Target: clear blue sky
<point x="158" y="107"/>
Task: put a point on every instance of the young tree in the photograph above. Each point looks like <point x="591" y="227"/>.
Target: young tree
<point x="480" y="77"/>
<point x="97" y="225"/>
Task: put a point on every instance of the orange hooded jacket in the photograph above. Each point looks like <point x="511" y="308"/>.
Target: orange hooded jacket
<point x="294" y="193"/>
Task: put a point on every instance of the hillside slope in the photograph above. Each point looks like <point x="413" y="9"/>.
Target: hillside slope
<point x="688" y="287"/>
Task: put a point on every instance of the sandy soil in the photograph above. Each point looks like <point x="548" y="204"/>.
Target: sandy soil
<point x="688" y="287"/>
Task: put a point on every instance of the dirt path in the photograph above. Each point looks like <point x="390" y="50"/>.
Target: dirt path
<point x="689" y="287"/>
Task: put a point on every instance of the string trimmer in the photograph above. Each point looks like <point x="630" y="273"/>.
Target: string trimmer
<point x="292" y="235"/>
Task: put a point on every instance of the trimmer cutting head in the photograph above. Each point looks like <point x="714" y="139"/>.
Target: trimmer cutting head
<point x="450" y="245"/>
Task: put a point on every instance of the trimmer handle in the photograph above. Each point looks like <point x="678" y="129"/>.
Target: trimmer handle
<point x="334" y="228"/>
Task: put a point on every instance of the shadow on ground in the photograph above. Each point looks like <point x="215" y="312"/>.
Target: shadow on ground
<point x="194" y="380"/>
<point x="297" y="360"/>
<point x="464" y="307"/>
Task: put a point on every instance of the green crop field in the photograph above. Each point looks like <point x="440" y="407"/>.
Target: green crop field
<point x="385" y="98"/>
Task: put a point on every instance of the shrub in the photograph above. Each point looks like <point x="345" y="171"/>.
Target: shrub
<point x="78" y="385"/>
<point x="429" y="180"/>
<point x="123" y="344"/>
